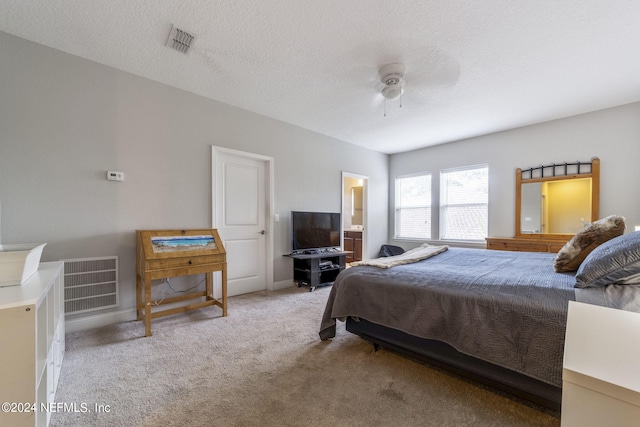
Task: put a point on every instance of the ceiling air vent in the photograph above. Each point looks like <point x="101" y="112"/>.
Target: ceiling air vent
<point x="180" y="40"/>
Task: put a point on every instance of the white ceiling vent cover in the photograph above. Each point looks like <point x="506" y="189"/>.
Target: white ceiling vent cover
<point x="180" y="40"/>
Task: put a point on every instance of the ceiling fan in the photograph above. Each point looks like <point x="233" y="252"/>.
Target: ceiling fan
<point x="431" y="73"/>
<point x="392" y="76"/>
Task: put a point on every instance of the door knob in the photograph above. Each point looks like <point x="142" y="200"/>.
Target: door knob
<point x="262" y="232"/>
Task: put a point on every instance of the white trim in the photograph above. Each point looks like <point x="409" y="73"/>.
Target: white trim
<point x="98" y="320"/>
<point x="283" y="284"/>
<point x="270" y="167"/>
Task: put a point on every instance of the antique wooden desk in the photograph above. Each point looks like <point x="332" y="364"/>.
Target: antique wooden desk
<point x="162" y="254"/>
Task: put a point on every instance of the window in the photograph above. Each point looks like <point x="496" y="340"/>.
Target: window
<point x="413" y="206"/>
<point x="464" y="203"/>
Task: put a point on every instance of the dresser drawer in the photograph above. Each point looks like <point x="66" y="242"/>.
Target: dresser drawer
<point x="525" y="245"/>
<point x="516" y="245"/>
<point x="184" y="261"/>
<point x="555" y="247"/>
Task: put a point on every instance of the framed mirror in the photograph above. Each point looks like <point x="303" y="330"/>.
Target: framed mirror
<point x="557" y="200"/>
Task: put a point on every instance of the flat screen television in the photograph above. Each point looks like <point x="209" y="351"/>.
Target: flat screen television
<point x="315" y="230"/>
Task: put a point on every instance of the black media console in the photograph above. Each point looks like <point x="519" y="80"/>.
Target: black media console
<point x="317" y="269"/>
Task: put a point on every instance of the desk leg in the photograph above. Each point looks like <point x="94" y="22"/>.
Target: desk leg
<point x="147" y="308"/>
<point x="224" y="289"/>
<point x="209" y="282"/>
<point x="138" y="297"/>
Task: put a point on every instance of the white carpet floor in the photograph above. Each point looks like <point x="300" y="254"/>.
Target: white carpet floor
<point x="264" y="365"/>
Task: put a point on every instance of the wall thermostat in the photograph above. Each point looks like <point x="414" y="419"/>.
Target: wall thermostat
<point x="115" y="176"/>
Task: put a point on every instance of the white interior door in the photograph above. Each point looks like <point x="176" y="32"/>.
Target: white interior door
<point x="240" y="211"/>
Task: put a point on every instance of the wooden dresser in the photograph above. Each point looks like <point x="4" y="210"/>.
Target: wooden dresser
<point x="523" y="244"/>
<point x="553" y="202"/>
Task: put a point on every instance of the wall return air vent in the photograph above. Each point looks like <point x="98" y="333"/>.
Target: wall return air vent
<point x="180" y="40"/>
<point x="90" y="284"/>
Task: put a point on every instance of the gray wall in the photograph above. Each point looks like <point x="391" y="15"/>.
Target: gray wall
<point x="613" y="135"/>
<point x="65" y="121"/>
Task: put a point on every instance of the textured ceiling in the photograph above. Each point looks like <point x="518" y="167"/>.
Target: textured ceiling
<point x="473" y="67"/>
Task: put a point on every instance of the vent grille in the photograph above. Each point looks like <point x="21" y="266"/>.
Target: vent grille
<point x="180" y="40"/>
<point x="90" y="284"/>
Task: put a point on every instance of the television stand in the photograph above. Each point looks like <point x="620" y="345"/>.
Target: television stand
<point x="318" y="269"/>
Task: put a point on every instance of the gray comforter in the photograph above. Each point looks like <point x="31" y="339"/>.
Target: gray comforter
<point x="507" y="308"/>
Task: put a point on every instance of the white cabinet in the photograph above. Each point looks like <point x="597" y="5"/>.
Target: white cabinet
<point x="32" y="346"/>
<point x="600" y="377"/>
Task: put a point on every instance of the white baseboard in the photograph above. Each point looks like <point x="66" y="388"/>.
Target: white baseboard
<point x="283" y="284"/>
<point x="99" y="320"/>
<point x="128" y="315"/>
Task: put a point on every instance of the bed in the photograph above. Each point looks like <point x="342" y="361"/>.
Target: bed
<point x="495" y="316"/>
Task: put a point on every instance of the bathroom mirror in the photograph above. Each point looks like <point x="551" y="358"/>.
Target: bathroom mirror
<point x="557" y="200"/>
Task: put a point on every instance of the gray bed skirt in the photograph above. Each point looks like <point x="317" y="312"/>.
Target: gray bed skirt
<point x="443" y="356"/>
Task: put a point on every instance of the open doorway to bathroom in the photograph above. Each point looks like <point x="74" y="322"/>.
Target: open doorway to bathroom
<point x="354" y="215"/>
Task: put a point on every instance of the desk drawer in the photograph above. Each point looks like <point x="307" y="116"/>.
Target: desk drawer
<point x="184" y="261"/>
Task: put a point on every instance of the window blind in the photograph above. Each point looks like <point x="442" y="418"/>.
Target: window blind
<point x="464" y="203"/>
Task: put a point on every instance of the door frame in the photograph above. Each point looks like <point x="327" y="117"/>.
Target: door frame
<point x="365" y="208"/>
<point x="269" y="176"/>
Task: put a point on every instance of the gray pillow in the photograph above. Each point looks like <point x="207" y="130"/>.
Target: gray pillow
<point x="615" y="261"/>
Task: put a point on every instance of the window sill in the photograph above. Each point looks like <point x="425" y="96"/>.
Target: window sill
<point x="475" y="244"/>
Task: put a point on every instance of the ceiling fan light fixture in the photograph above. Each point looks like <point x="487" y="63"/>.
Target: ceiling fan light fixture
<point x="392" y="91"/>
<point x="392" y="75"/>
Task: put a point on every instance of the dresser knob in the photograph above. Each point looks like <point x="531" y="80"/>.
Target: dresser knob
<point x="190" y="262"/>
